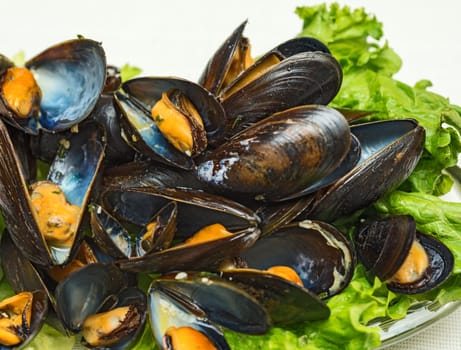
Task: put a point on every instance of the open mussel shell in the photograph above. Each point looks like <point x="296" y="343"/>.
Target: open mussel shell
<point x="105" y="112"/>
<point x="219" y="64"/>
<point x="196" y="209"/>
<point x="302" y="79"/>
<point x="129" y="329"/>
<point x="5" y="63"/>
<point x="84" y="292"/>
<point x="20" y="273"/>
<point x="109" y="234"/>
<point x="73" y="170"/>
<point x="286" y="302"/>
<point x="281" y="156"/>
<point x="320" y="254"/>
<point x="221" y="301"/>
<point x="115" y="240"/>
<point x="167" y="309"/>
<point x="209" y="255"/>
<point x="165" y="221"/>
<point x="390" y="151"/>
<point x="136" y="99"/>
<point x="383" y="245"/>
<point x="28" y="331"/>
<point x="71" y="77"/>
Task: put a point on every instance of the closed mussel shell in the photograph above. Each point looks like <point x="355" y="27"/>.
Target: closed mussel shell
<point x="221" y="301"/>
<point x="320" y="254"/>
<point x="304" y="78"/>
<point x="390" y="151"/>
<point x="386" y="247"/>
<point x="286" y="302"/>
<point x="280" y="156"/>
<point x="148" y="174"/>
<point x="170" y="311"/>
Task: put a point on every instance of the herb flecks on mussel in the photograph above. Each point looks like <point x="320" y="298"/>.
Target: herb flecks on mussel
<point x="57" y="218"/>
<point x="180" y="122"/>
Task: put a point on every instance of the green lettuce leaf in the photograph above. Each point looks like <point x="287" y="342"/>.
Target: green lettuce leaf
<point x="354" y="38"/>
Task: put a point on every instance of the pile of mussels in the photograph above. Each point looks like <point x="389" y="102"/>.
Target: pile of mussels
<point x="223" y="191"/>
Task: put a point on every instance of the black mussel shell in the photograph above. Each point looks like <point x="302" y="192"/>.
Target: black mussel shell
<point x="109" y="234"/>
<point x="5" y="63"/>
<point x="163" y="235"/>
<point x="302" y="79"/>
<point x="71" y="77"/>
<point x="85" y="291"/>
<point x="218" y="65"/>
<point x="169" y="309"/>
<point x="320" y="254"/>
<point x="136" y="99"/>
<point x="74" y="170"/>
<point x="20" y="273"/>
<point x="286" y="302"/>
<point x="382" y="246"/>
<point x="302" y="44"/>
<point x="38" y="316"/>
<point x="196" y="209"/>
<point x="105" y="112"/>
<point x="146" y="174"/>
<point x="220" y="300"/>
<point x="390" y="150"/>
<point x="132" y="297"/>
<point x="281" y="156"/>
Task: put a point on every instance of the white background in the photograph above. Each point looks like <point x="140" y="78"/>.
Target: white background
<point x="174" y="37"/>
<point x="177" y="37"/>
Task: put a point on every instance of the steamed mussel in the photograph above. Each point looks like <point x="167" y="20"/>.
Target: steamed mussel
<point x="187" y="213"/>
<point x="407" y="260"/>
<point x="21" y="317"/>
<point x="152" y="109"/>
<point x="45" y="222"/>
<point x="56" y="89"/>
<point x="297" y="72"/>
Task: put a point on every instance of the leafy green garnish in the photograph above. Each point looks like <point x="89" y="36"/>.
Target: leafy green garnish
<point x="19" y="59"/>
<point x="128" y="72"/>
<point x="353" y="36"/>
